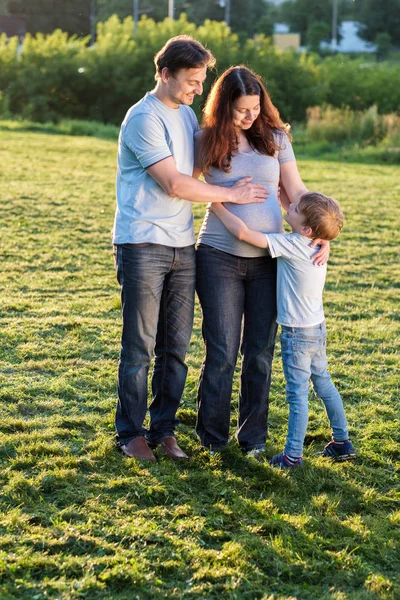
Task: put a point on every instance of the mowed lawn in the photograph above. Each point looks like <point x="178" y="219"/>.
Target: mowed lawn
<point x="79" y="521"/>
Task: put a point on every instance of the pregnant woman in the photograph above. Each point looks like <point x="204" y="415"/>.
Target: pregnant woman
<point x="242" y="136"/>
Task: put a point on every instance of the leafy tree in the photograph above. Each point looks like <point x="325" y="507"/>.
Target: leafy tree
<point x="244" y="15"/>
<point x="378" y="16"/>
<point x="316" y="33"/>
<point x="383" y="42"/>
<point x="45" y="16"/>
<point x="301" y="14"/>
<point x="265" y="25"/>
<point x="155" y="9"/>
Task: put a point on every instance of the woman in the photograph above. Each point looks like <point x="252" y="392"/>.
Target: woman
<point x="242" y="135"/>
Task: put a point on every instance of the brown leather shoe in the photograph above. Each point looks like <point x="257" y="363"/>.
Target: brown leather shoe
<point x="169" y="447"/>
<point x="138" y="448"/>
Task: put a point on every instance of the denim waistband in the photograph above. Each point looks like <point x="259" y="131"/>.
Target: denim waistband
<point x="320" y="327"/>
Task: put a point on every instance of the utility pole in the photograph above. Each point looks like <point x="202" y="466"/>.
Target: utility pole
<point x="334" y="24"/>
<point x="228" y="12"/>
<point x="227" y="5"/>
<point x="171" y="9"/>
<point x="92" y="22"/>
<point x="135" y="15"/>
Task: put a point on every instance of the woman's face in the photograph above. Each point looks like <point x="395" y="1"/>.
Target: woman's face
<point x="245" y="111"/>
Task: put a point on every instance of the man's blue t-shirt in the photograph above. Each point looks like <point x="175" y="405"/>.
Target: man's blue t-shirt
<point x="151" y="132"/>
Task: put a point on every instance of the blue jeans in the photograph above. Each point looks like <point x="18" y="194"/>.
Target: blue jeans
<point x="157" y="296"/>
<point x="304" y="357"/>
<point x="232" y="289"/>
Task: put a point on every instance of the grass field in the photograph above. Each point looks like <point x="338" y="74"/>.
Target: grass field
<point x="79" y="521"/>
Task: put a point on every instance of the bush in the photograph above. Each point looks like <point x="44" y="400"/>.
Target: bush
<point x="48" y="83"/>
<point x="59" y="77"/>
<point x="8" y="71"/>
<point x="359" y="85"/>
<point x="291" y="79"/>
<point x="344" y="125"/>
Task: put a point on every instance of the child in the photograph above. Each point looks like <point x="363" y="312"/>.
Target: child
<point x="300" y="284"/>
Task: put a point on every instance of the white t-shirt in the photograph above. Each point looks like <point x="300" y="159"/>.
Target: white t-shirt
<point x="300" y="283"/>
<point x="150" y="132"/>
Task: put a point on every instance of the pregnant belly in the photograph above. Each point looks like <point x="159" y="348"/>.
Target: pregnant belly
<point x="265" y="216"/>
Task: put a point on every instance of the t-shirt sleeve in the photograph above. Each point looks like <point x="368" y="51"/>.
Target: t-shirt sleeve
<point x="196" y="126"/>
<point x="197" y="144"/>
<point x="285" y="153"/>
<point x="144" y="135"/>
<point x="280" y="244"/>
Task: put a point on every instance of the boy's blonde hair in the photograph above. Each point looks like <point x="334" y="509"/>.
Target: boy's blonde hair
<point x="322" y="214"/>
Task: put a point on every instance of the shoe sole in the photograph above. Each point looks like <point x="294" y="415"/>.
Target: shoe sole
<point x="286" y="467"/>
<point x="128" y="455"/>
<point x="162" y="450"/>
<point x="342" y="458"/>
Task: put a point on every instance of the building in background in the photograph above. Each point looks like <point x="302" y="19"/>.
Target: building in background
<point x="350" y="41"/>
<point x="283" y="40"/>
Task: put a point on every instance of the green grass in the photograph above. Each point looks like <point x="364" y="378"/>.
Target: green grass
<point x="79" y="521"/>
<point x="369" y="151"/>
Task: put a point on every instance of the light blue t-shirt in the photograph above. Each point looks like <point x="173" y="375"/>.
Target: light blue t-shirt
<point x="150" y="132"/>
<point x="300" y="283"/>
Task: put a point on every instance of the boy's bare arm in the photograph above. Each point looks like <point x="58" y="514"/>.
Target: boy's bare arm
<point x="238" y="228"/>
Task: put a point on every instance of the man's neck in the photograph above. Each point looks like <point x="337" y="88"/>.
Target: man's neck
<point x="161" y="94"/>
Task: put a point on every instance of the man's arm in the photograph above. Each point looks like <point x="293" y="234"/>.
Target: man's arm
<point x="238" y="228"/>
<point x="176" y="184"/>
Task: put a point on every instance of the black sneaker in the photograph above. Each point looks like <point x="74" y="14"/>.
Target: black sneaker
<point x="339" y="451"/>
<point x="282" y="461"/>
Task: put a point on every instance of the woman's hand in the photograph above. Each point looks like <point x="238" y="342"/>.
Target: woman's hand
<point x="321" y="257"/>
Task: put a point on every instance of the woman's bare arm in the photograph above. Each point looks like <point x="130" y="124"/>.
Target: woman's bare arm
<point x="295" y="188"/>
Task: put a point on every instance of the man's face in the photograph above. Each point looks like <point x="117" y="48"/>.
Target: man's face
<point x="185" y="84"/>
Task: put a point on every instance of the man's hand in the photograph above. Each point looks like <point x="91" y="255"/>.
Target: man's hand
<point x="244" y="192"/>
<point x="321" y="257"/>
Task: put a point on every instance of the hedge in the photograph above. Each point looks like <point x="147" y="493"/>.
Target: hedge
<point x="56" y="76"/>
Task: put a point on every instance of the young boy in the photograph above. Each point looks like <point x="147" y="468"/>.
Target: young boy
<point x="300" y="284"/>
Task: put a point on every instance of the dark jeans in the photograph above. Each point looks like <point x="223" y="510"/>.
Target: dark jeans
<point x="230" y="289"/>
<point x="157" y="296"/>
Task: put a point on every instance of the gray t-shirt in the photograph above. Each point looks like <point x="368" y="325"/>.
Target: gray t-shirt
<point x="150" y="132"/>
<point x="266" y="216"/>
<point x="300" y="283"/>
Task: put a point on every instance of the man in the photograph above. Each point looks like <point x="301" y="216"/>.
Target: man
<point x="154" y="243"/>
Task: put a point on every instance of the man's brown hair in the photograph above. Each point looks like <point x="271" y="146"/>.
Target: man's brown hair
<point x="322" y="214"/>
<point x="182" y="52"/>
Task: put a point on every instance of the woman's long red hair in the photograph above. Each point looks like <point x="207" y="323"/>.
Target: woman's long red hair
<point x="219" y="139"/>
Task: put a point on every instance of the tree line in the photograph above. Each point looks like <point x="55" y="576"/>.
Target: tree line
<point x="59" y="76"/>
<point x="311" y="18"/>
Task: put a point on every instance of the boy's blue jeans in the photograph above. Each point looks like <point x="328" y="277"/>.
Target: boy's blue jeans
<point x="157" y="295"/>
<point x="304" y="357"/>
